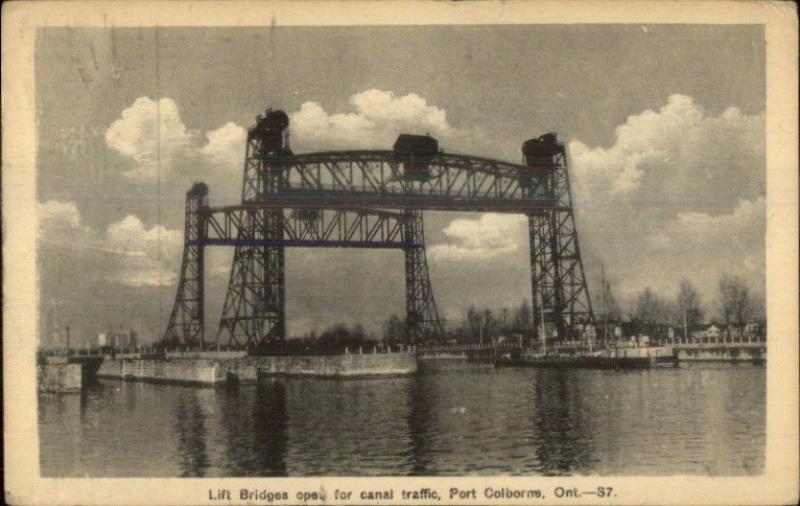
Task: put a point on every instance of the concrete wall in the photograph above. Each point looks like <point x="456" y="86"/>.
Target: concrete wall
<point x="722" y="354"/>
<point x="189" y="371"/>
<point x="212" y="372"/>
<point x="352" y="365"/>
<point x="241" y="369"/>
<point x="210" y="354"/>
<point x="59" y="377"/>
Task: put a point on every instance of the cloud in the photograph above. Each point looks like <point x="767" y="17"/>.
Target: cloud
<point x="226" y="145"/>
<point x="59" y="215"/>
<point x="676" y="153"/>
<point x="151" y="134"/>
<point x="739" y="232"/>
<point x="678" y="193"/>
<point x="488" y="236"/>
<point x="158" y="146"/>
<point x="378" y="118"/>
<point x="140" y="256"/>
<point x="151" y="255"/>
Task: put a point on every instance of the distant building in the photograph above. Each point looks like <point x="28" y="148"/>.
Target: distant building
<point x="705" y="333"/>
<point x="752" y="328"/>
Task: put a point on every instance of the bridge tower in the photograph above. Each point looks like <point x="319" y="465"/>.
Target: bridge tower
<point x="254" y="311"/>
<point x="422" y="318"/>
<point x="561" y="301"/>
<point x="185" y="325"/>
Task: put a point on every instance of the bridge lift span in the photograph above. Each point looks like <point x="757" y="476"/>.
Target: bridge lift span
<point x="373" y="199"/>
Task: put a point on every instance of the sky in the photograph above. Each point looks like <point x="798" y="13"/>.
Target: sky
<point x="664" y="128"/>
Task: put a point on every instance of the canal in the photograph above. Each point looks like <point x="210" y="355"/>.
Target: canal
<point x="700" y="419"/>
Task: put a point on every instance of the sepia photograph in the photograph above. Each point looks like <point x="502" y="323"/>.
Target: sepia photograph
<point x="394" y="250"/>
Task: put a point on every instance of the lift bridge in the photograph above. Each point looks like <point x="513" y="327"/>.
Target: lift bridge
<point x="372" y="199"/>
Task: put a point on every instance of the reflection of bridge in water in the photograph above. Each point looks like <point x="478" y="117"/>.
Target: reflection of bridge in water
<point x="372" y="199"/>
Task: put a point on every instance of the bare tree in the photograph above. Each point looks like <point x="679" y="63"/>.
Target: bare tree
<point x="522" y="317"/>
<point x="689" y="306"/>
<point x="736" y="303"/>
<point x="651" y="313"/>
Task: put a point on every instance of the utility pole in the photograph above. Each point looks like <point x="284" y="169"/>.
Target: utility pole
<point x="67" y="340"/>
<point x="685" y="326"/>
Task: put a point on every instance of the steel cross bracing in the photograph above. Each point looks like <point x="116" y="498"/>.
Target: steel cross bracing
<point x="235" y="226"/>
<point x="186" y="320"/>
<point x="347" y="228"/>
<point x="378" y="179"/>
<point x="560" y="295"/>
<point x="422" y="318"/>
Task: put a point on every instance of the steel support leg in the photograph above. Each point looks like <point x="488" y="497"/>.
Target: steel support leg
<point x="254" y="311"/>
<point x="186" y="322"/>
<point x="422" y="318"/>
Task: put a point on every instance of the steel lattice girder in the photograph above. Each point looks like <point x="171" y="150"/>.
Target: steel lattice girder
<point x="377" y="179"/>
<point x="303" y="227"/>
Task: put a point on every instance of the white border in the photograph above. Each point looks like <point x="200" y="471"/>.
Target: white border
<point x="20" y="19"/>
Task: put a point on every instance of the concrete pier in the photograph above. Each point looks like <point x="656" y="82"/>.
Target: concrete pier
<point x="338" y="366"/>
<point x="202" y="372"/>
<point x="211" y="372"/>
<point x="59" y="377"/>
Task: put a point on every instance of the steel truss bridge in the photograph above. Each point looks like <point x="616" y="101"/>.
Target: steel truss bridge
<point x="372" y="199"/>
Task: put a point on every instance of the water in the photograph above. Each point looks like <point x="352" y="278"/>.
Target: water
<point x="707" y="420"/>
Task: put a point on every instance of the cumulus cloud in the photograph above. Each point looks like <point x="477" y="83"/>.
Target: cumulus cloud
<point x="678" y="153"/>
<point x="152" y="134"/>
<point x="488" y="236"/>
<point x="150" y="254"/>
<point x="226" y="145"/>
<point x="141" y="255"/>
<point x="378" y="118"/>
<point x="679" y="192"/>
<point x="159" y="146"/>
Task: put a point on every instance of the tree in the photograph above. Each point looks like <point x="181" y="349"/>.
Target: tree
<point x="609" y="304"/>
<point x="736" y="303"/>
<point x="490" y="325"/>
<point x="395" y="329"/>
<point x="474" y="322"/>
<point x="649" y="307"/>
<point x="522" y="317"/>
<point x="688" y="304"/>
<point x="651" y="312"/>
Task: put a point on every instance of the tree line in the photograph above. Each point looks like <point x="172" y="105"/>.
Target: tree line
<point x="735" y="306"/>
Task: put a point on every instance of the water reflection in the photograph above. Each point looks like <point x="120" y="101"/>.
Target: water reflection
<point x="560" y="437"/>
<point x="469" y="421"/>
<point x="256" y="436"/>
<point x="420" y="418"/>
<point x="190" y="428"/>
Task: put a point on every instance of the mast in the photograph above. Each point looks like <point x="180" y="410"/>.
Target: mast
<point x="605" y="305"/>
